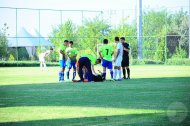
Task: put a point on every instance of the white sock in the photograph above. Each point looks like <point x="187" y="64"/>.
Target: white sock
<point x="44" y="65"/>
<point x="119" y="72"/>
<point x="114" y="73"/>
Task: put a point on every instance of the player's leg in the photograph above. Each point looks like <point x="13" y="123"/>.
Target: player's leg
<point x="118" y="63"/>
<point x="123" y="68"/>
<point x="69" y="65"/>
<point x="74" y="70"/>
<point x="61" y="72"/>
<point x="44" y="64"/>
<point x="110" y="67"/>
<point x="104" y="64"/>
<point x="128" y="70"/>
<point x="115" y="72"/>
<point x="89" y="70"/>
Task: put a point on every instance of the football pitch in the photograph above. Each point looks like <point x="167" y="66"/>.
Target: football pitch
<point x="156" y="95"/>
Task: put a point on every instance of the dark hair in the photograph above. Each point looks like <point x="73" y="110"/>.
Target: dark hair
<point x="50" y="48"/>
<point x="66" y="41"/>
<point x="105" y="41"/>
<point x="71" y="42"/>
<point x="116" y="38"/>
<point x="99" y="60"/>
<point x="123" y="38"/>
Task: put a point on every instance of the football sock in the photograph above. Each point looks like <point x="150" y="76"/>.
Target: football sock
<point x="74" y="75"/>
<point x="124" y="73"/>
<point x="114" y="73"/>
<point x="119" y="72"/>
<point x="59" y="76"/>
<point x="104" y="75"/>
<point x="44" y="65"/>
<point x="62" y="75"/>
<point x="128" y="72"/>
<point x="67" y="74"/>
<point x="111" y="73"/>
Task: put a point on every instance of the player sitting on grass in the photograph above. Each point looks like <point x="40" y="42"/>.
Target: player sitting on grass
<point x="87" y="61"/>
<point x="62" y="59"/>
<point x="42" y="57"/>
<point x="71" y="59"/>
<point x="106" y="52"/>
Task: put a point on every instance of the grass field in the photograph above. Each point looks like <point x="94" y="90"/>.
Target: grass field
<point x="156" y="95"/>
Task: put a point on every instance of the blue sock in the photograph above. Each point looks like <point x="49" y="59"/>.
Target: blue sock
<point x="74" y="75"/>
<point x="67" y="75"/>
<point x="104" y="75"/>
<point x="60" y="75"/>
<point x="111" y="73"/>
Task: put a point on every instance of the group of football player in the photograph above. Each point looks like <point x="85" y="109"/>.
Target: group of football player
<point x="116" y="61"/>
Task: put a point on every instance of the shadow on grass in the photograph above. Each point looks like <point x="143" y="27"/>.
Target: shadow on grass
<point x="134" y="119"/>
<point x="142" y="93"/>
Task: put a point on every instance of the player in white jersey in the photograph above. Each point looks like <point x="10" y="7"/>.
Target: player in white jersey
<point x="118" y="59"/>
<point x="42" y="57"/>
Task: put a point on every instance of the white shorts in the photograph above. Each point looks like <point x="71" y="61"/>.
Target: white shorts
<point x="41" y="58"/>
<point x="118" y="62"/>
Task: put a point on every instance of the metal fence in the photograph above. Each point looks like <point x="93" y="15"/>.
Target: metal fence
<point x="36" y="25"/>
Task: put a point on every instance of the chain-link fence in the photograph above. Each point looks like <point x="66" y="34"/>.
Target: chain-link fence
<point x="30" y="31"/>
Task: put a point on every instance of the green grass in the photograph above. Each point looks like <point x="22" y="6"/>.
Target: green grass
<point x="29" y="96"/>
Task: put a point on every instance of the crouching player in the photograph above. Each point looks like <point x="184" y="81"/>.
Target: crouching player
<point x="87" y="61"/>
<point x="106" y="52"/>
<point x="71" y="59"/>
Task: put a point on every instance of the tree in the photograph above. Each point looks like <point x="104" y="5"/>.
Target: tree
<point x="3" y="42"/>
<point x="64" y="31"/>
<point x="91" y="33"/>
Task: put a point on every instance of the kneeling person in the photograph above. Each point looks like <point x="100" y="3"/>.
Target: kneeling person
<point x="87" y="61"/>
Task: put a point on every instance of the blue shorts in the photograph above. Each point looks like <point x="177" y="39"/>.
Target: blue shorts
<point x="71" y="64"/>
<point x="62" y="63"/>
<point x="107" y="64"/>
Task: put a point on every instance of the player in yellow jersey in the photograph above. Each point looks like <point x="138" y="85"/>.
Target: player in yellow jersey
<point x="106" y="52"/>
<point x="71" y="59"/>
<point x="62" y="59"/>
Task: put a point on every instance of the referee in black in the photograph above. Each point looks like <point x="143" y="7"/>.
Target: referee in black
<point x="125" y="61"/>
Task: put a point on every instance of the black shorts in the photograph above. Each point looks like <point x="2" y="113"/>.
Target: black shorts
<point x="125" y="62"/>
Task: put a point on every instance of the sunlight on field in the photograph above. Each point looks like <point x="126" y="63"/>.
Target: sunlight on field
<point x="63" y="112"/>
<point x="33" y="75"/>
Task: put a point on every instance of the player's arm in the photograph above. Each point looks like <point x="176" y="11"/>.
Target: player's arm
<point x="100" y="54"/>
<point x="117" y="54"/>
<point x="93" y="70"/>
<point x="125" y="49"/>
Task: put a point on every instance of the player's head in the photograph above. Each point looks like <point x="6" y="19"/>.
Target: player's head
<point x="105" y="41"/>
<point x="98" y="61"/>
<point x="51" y="49"/>
<point x="70" y="43"/>
<point x="116" y="39"/>
<point x="122" y="39"/>
<point x="66" y="42"/>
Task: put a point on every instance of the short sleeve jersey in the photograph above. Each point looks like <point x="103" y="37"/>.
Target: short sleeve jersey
<point x="71" y="53"/>
<point x="125" y="53"/>
<point x="120" y="47"/>
<point x="62" y="48"/>
<point x="91" y="58"/>
<point x="106" y="51"/>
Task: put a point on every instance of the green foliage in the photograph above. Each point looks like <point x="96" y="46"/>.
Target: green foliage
<point x="11" y="57"/>
<point x="178" y="61"/>
<point x="61" y="33"/>
<point x="179" y="54"/>
<point x="25" y="64"/>
<point x="3" y="43"/>
<point x="91" y="33"/>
